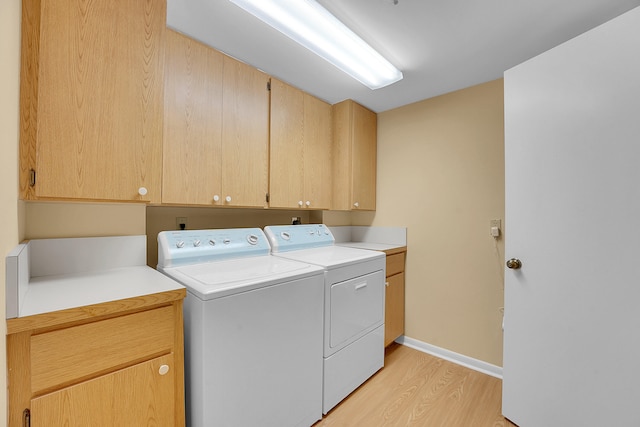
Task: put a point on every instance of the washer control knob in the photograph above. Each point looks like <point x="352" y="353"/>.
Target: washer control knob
<point x="216" y="198"/>
<point x="228" y="199"/>
<point x="252" y="239"/>
<point x="212" y="242"/>
<point x="180" y="244"/>
<point x="196" y="243"/>
<point x="226" y="241"/>
<point x="285" y="235"/>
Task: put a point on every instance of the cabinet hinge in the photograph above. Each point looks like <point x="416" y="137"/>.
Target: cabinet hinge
<point x="267" y="197"/>
<point x="26" y="418"/>
<point x="32" y="178"/>
<point x="269" y="85"/>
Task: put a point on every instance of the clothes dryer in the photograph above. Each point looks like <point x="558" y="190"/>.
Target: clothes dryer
<point x="354" y="289"/>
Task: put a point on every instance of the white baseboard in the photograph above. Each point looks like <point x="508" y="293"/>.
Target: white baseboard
<point x="451" y="356"/>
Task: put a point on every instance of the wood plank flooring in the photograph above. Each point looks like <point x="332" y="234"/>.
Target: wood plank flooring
<point x="417" y="389"/>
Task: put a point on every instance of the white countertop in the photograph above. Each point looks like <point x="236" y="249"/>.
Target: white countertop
<point x="370" y="245"/>
<point x="53" y="293"/>
<point x="49" y="275"/>
<point x="372" y="238"/>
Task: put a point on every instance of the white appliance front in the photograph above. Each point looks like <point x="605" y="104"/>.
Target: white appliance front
<point x="253" y="330"/>
<point x="255" y="358"/>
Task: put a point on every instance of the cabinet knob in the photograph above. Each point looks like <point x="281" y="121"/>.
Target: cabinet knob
<point x="142" y="191"/>
<point x="356" y="204"/>
<point x="228" y="199"/>
<point x="300" y="203"/>
<point x="163" y="369"/>
<point x="308" y="203"/>
<point x="216" y="198"/>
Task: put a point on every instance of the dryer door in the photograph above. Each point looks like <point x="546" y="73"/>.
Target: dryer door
<point x="356" y="306"/>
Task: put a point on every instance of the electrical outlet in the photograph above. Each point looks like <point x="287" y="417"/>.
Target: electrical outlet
<point x="495" y="223"/>
<point x="181" y="223"/>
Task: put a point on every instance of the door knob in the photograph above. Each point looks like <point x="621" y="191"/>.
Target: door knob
<point x="514" y="263"/>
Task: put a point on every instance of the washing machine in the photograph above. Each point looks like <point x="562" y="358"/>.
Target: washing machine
<point x="354" y="289"/>
<point x="253" y="329"/>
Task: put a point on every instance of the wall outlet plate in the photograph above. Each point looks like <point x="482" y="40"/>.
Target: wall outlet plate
<point x="179" y="221"/>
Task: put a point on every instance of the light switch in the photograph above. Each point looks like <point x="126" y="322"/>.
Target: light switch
<point x="495" y="225"/>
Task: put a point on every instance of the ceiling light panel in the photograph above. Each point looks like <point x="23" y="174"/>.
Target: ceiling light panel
<point x="314" y="27"/>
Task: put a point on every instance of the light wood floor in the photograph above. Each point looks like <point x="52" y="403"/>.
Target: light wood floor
<point x="417" y="389"/>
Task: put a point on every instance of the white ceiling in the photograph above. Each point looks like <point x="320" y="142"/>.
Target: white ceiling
<point x="440" y="45"/>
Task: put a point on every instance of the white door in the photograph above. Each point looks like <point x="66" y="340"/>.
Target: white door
<point x="572" y="311"/>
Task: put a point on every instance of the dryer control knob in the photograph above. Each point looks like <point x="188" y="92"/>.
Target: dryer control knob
<point x="196" y="243"/>
<point x="252" y="239"/>
<point x="180" y="244"/>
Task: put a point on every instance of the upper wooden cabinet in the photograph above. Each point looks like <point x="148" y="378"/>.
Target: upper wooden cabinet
<point x="245" y="135"/>
<point x="300" y="157"/>
<point x="354" y="154"/>
<point x="216" y="128"/>
<point x="192" y="167"/>
<point x="91" y="99"/>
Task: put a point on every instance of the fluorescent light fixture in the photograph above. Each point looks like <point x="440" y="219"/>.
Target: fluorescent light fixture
<point x="311" y="25"/>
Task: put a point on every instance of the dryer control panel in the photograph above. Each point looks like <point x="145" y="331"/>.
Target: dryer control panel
<point x="285" y="238"/>
<point x="181" y="247"/>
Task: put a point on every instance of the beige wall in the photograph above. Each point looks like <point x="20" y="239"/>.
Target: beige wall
<point x="441" y="174"/>
<point x="46" y="220"/>
<point x="9" y="118"/>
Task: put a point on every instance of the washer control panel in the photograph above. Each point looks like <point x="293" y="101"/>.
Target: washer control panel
<point x="181" y="247"/>
<point x="285" y="238"/>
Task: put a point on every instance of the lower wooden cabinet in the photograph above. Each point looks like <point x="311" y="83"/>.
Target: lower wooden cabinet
<point x="119" y="363"/>
<point x="394" y="295"/>
<point x="140" y="395"/>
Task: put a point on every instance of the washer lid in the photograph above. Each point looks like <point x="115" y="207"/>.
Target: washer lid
<point x="332" y="256"/>
<point x="219" y="278"/>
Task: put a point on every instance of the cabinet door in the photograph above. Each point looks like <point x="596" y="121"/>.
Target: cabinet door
<point x="317" y="153"/>
<point x="286" y="162"/>
<point x="192" y="150"/>
<point x="363" y="160"/>
<point x="136" y="396"/>
<point x="354" y="157"/>
<point x="394" y="308"/>
<point x="245" y="135"/>
<point x="100" y="99"/>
